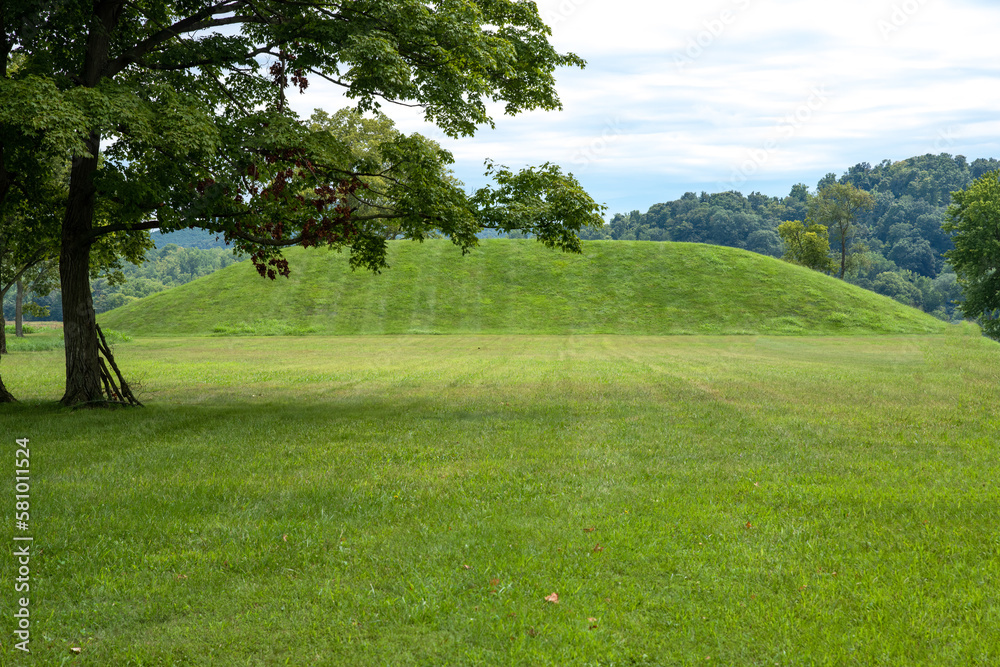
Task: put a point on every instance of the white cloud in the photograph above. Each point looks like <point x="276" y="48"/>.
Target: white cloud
<point x="679" y="95"/>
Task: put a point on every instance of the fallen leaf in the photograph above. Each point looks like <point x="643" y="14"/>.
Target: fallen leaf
<point x="597" y="548"/>
<point x="532" y="632"/>
<point x="467" y="567"/>
<point x="284" y="537"/>
<point x="76" y="649"/>
<point x="554" y="598"/>
<point x="589" y="530"/>
<point x="592" y="619"/>
<point x="749" y="525"/>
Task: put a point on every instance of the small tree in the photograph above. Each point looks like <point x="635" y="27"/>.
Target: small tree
<point x="21" y="251"/>
<point x="837" y="205"/>
<point x="973" y="220"/>
<point x="38" y="282"/>
<point x="807" y="246"/>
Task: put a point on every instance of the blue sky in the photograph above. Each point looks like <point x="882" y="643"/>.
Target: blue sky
<point x="751" y="95"/>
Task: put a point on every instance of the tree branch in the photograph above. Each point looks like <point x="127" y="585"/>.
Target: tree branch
<point x="98" y="232"/>
<point x="338" y="82"/>
<point x="259" y="240"/>
<point x="189" y="24"/>
<point x="37" y="258"/>
<point x="200" y="63"/>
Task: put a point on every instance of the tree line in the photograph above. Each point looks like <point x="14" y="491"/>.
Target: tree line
<point x="897" y="241"/>
<point x="163" y="267"/>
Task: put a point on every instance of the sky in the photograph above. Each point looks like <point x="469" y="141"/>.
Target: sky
<point x="748" y="95"/>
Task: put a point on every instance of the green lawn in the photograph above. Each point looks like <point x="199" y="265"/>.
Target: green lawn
<point x="414" y="500"/>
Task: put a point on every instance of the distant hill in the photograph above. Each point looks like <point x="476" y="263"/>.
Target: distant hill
<point x="906" y="246"/>
<point x="515" y="286"/>
<point x="188" y="238"/>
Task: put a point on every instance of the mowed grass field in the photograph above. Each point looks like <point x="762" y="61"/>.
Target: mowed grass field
<point x="414" y="500"/>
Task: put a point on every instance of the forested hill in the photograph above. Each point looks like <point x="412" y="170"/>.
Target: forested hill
<point x="188" y="238"/>
<point x="903" y="231"/>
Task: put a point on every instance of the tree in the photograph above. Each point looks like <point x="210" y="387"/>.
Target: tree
<point x="973" y="220"/>
<point x="364" y="137"/>
<point x="796" y="203"/>
<point x="175" y="115"/>
<point x="899" y="286"/>
<point x="765" y="242"/>
<point x="837" y="205"/>
<point x="914" y="254"/>
<point x="11" y="270"/>
<point x="24" y="248"/>
<point x="807" y="246"/>
<point x="39" y="282"/>
<point x="20" y="251"/>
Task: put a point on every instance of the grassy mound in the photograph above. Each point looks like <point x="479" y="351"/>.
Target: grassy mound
<point x="513" y="287"/>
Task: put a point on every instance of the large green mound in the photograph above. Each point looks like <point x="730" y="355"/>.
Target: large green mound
<point x="507" y="287"/>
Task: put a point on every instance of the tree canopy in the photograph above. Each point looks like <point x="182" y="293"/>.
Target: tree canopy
<point x="808" y="246"/>
<point x="838" y="205"/>
<point x="173" y="114"/>
<point x="973" y="220"/>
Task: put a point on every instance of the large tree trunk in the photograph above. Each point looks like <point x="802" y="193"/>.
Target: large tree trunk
<point x="83" y="369"/>
<point x="19" y="310"/>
